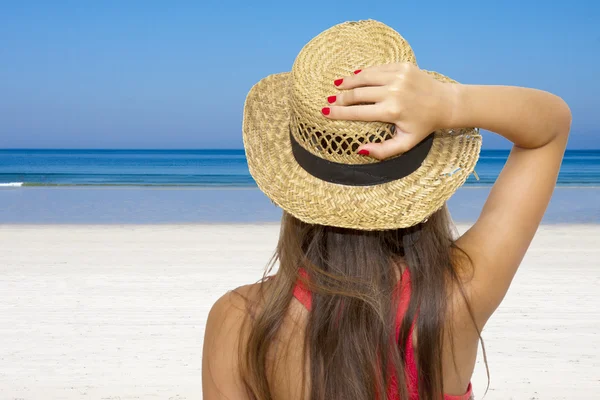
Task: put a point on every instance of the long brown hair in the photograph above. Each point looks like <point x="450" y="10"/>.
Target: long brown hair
<point x="352" y="275"/>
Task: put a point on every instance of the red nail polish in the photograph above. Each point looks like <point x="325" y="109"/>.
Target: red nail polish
<point x="331" y="99"/>
<point x="326" y="110"/>
<point x="338" y="82"/>
<point x="357" y="71"/>
<point x="364" y="152"/>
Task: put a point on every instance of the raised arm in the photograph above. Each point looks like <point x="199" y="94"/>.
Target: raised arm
<point x="538" y="124"/>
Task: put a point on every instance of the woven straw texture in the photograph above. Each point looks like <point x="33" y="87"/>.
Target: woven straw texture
<point x="292" y="102"/>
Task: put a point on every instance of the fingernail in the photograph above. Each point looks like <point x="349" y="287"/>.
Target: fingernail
<point x="338" y="82"/>
<point x="364" y="152"/>
<point x="331" y="99"/>
<point x="326" y="110"/>
<point x="357" y="71"/>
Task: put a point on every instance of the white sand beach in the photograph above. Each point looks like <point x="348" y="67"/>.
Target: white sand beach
<point x="118" y="312"/>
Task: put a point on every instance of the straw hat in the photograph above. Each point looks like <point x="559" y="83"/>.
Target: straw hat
<point x="307" y="164"/>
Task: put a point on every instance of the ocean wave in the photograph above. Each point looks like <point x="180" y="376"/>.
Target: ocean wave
<point x="217" y="184"/>
<point x="470" y="184"/>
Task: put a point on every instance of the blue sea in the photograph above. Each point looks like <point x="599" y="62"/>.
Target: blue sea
<point x="210" y="168"/>
<point x="191" y="186"/>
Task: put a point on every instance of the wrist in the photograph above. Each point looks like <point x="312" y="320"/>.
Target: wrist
<point x="456" y="96"/>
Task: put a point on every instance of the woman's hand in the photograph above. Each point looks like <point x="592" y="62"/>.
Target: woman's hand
<point x="400" y="94"/>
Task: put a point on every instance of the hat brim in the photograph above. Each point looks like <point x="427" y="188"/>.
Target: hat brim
<point x="398" y="204"/>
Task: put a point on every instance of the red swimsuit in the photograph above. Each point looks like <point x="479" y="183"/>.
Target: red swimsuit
<point x="304" y="296"/>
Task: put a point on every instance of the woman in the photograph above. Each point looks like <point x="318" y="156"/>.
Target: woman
<point x="375" y="297"/>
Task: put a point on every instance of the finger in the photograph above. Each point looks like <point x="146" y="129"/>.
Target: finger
<point x="365" y="78"/>
<point x="378" y="75"/>
<point x="358" y="96"/>
<point x="372" y="112"/>
<point x="391" y="67"/>
<point x="400" y="143"/>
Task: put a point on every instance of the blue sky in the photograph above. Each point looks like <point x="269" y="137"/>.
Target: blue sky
<point x="150" y="74"/>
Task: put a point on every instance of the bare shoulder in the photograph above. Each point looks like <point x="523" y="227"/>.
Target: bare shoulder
<point x="224" y="335"/>
<point x="235" y="302"/>
<point x="227" y="314"/>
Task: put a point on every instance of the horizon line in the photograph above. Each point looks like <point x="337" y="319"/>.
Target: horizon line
<point x="196" y="149"/>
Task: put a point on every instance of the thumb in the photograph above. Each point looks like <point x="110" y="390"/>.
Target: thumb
<point x="400" y="143"/>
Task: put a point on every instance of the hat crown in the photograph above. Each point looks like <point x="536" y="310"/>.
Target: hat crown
<point x="307" y="177"/>
<point x="335" y="53"/>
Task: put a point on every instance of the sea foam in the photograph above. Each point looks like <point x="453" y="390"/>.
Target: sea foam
<point x="11" y="184"/>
